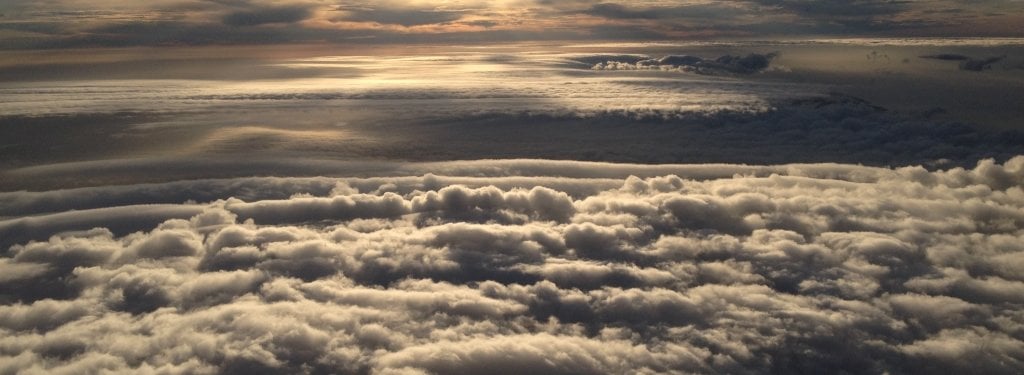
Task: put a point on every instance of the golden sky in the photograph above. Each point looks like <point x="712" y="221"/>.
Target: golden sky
<point x="81" y="23"/>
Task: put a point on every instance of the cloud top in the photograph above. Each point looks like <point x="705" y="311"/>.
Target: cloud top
<point x="751" y="63"/>
<point x="800" y="268"/>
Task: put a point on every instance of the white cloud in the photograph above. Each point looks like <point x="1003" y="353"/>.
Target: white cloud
<point x="704" y="269"/>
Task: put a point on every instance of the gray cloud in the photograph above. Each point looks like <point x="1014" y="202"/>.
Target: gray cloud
<point x="946" y="56"/>
<point x="833" y="128"/>
<point x="977" y="65"/>
<point x="966" y="62"/>
<point x="737" y="269"/>
<point x="839" y="8"/>
<point x="701" y="12"/>
<point x="269" y="15"/>
<point x="399" y="16"/>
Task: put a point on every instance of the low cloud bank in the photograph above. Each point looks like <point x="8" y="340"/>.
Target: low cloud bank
<point x="833" y="128"/>
<point x="966" y="62"/>
<point x="734" y="64"/>
<point x="784" y="269"/>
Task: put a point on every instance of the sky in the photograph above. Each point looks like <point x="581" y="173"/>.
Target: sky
<point x="509" y="187"/>
<point x="79" y="23"/>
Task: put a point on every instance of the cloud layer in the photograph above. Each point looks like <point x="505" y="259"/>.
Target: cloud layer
<point x="801" y="268"/>
<point x="77" y="23"/>
<point x="751" y="63"/>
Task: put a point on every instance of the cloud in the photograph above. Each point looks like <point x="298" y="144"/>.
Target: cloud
<point x="980" y="64"/>
<point x="483" y="23"/>
<point x="691" y="269"/>
<point x="400" y="16"/>
<point x="839" y="8"/>
<point x="268" y="15"/>
<point x="966" y="62"/>
<point x="825" y="128"/>
<point x="532" y="102"/>
<point x="73" y="23"/>
<point x="514" y="354"/>
<point x="751" y="63"/>
<point x="946" y="56"/>
<point x="692" y="11"/>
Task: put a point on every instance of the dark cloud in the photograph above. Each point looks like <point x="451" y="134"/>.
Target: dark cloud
<point x="268" y="15"/>
<point x="702" y="12"/>
<point x="966" y="62"/>
<point x="399" y="16"/>
<point x="854" y="17"/>
<point x="612" y="10"/>
<point x="977" y="65"/>
<point x="482" y="23"/>
<point x="946" y="56"/>
<point x="839" y="8"/>
<point x="235" y="30"/>
<point x="626" y="32"/>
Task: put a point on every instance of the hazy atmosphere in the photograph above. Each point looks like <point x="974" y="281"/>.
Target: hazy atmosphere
<point x="508" y="187"/>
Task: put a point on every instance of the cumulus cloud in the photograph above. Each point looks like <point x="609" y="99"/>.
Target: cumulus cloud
<point x="685" y="269"/>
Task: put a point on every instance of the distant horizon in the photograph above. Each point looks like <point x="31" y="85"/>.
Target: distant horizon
<point x="26" y="24"/>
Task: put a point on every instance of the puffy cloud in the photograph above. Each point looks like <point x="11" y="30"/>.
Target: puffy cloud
<point x="735" y="269"/>
<point x="541" y="353"/>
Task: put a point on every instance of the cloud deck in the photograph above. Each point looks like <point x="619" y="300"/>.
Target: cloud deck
<point x="798" y="268"/>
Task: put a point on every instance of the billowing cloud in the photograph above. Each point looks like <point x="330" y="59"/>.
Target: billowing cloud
<point x="688" y="269"/>
<point x="157" y="213"/>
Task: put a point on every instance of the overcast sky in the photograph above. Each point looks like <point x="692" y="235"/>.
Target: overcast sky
<point x="77" y="23"/>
